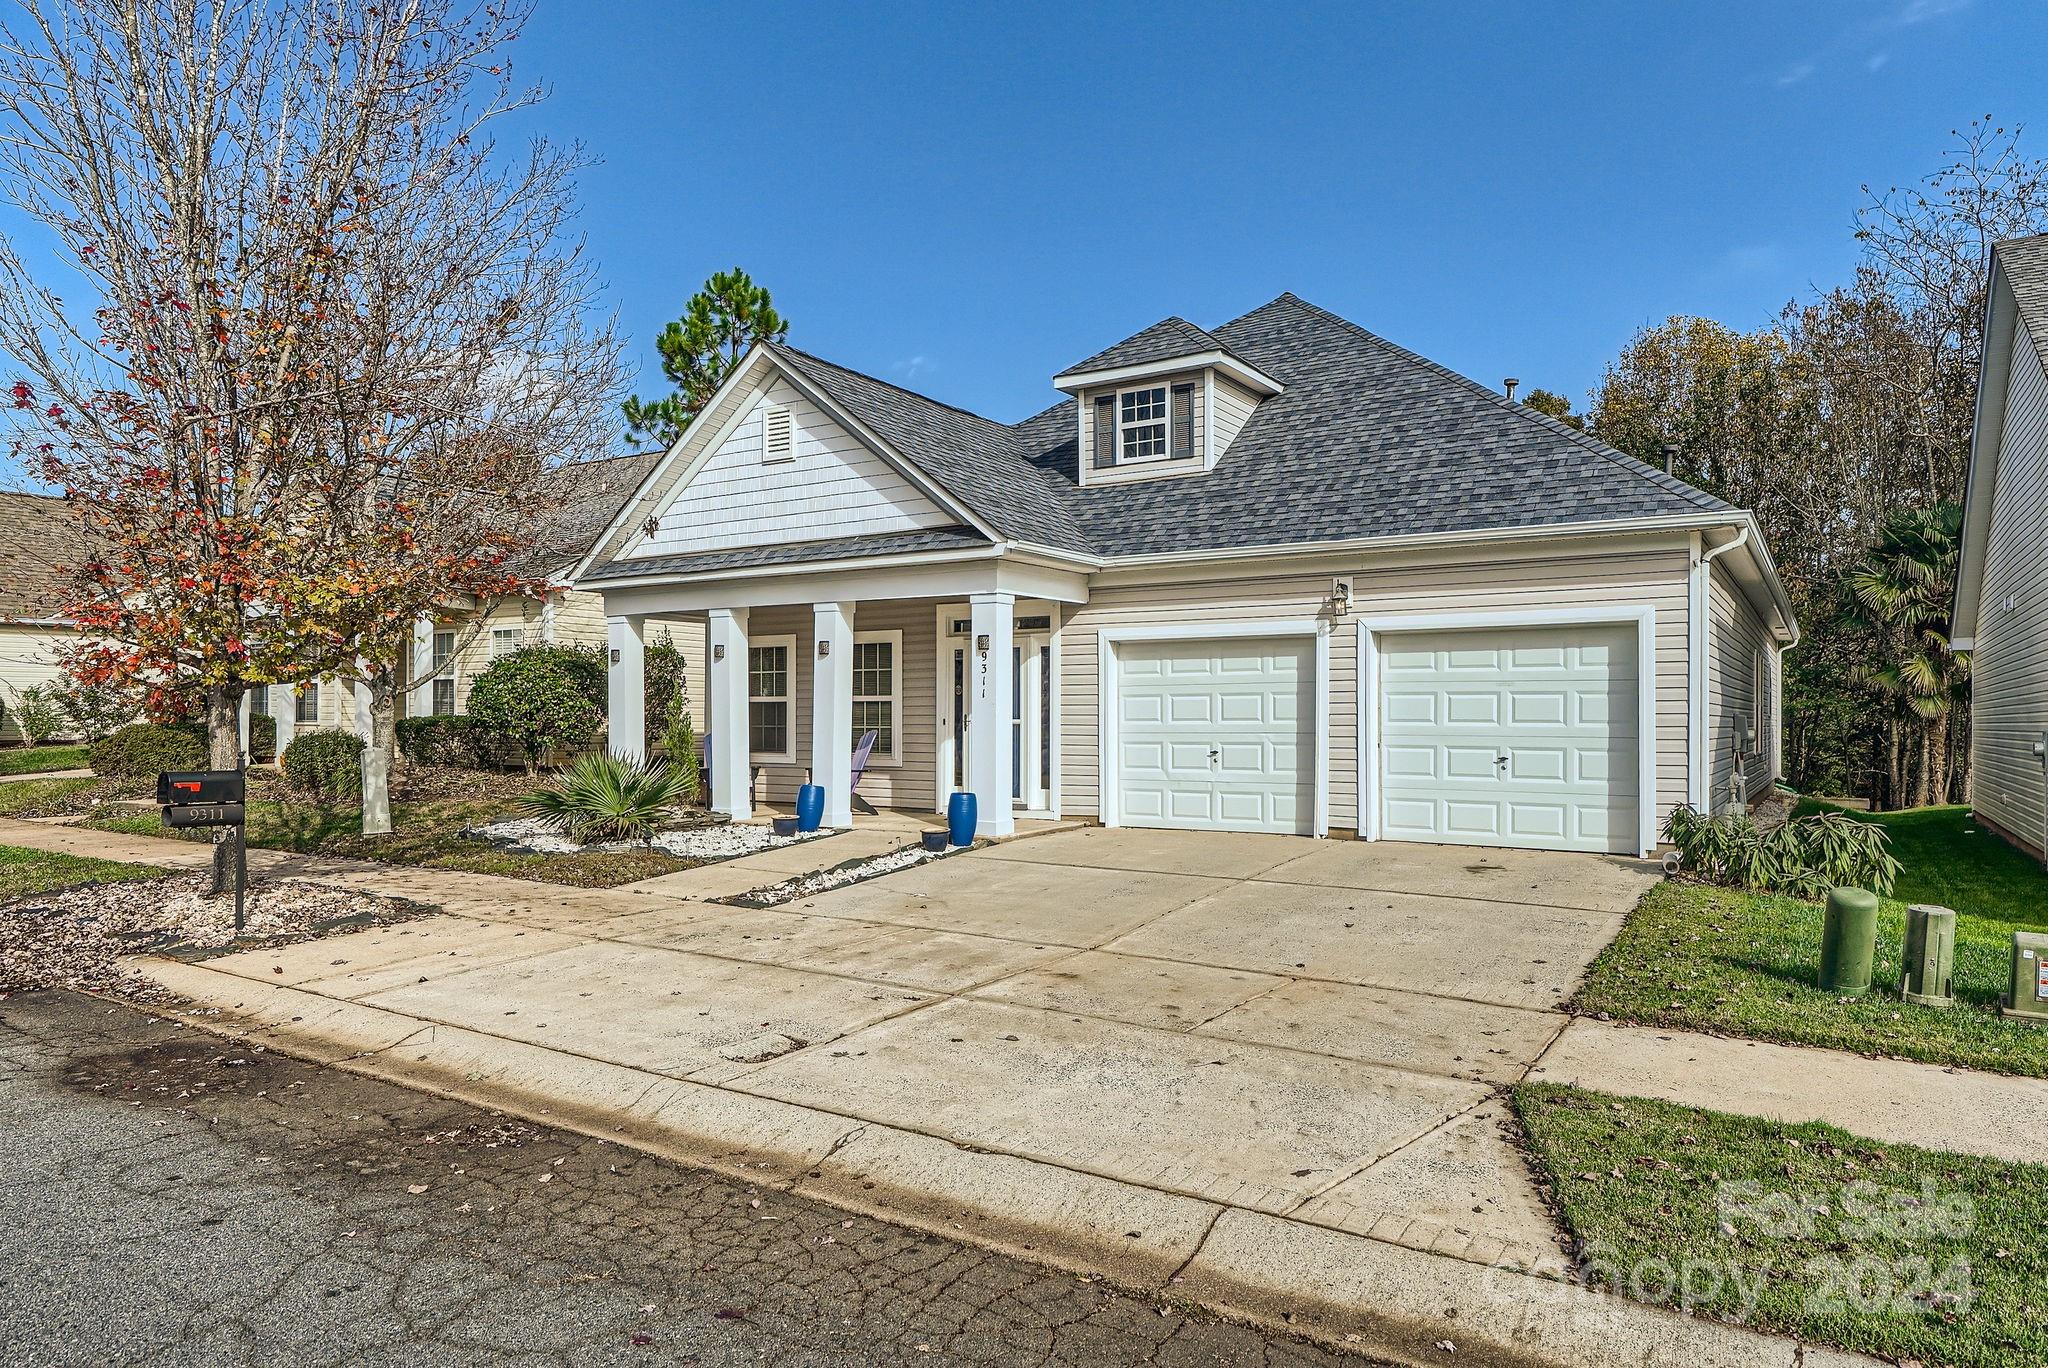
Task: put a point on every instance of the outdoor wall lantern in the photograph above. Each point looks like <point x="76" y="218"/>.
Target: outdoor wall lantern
<point x="824" y="647"/>
<point x="718" y="652"/>
<point x="1340" y="596"/>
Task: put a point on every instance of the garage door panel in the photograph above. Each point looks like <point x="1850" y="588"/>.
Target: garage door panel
<point x="1557" y="704"/>
<point x="1228" y="720"/>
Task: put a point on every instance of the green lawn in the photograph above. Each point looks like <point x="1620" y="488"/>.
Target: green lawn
<point x="41" y="759"/>
<point x="1700" y="958"/>
<point x="40" y="797"/>
<point x="23" y="872"/>
<point x="1806" y="1230"/>
<point x="425" y="834"/>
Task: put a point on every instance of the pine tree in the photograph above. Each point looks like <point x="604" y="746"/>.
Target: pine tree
<point x="720" y="325"/>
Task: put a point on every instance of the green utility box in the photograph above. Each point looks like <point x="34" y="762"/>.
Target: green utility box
<point x="1930" y="956"/>
<point x="1848" y="942"/>
<point x="2027" y="1000"/>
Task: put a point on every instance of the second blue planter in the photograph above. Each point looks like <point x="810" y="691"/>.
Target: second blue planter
<point x="810" y="807"/>
<point x="960" y="818"/>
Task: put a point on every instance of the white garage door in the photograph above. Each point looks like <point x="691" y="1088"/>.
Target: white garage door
<point x="1216" y="735"/>
<point x="1523" y="737"/>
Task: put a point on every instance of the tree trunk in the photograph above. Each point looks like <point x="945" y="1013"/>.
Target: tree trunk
<point x="378" y="749"/>
<point x="223" y="752"/>
<point x="1895" y="778"/>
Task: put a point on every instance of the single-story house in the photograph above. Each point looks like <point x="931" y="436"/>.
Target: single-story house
<point x="37" y="532"/>
<point x="2001" y="610"/>
<point x="1281" y="575"/>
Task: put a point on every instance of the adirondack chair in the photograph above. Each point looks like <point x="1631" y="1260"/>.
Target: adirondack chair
<point x="861" y="749"/>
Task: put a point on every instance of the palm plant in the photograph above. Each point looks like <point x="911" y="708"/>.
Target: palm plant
<point x="1904" y="589"/>
<point x="604" y="798"/>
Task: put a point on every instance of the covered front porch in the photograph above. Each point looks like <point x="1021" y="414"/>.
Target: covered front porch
<point x="958" y="684"/>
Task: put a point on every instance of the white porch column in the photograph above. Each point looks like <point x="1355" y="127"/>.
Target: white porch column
<point x="626" y="688"/>
<point x="832" y="709"/>
<point x="248" y="710"/>
<point x="732" y="759"/>
<point x="286" y="716"/>
<point x="420" y="702"/>
<point x="989" y="710"/>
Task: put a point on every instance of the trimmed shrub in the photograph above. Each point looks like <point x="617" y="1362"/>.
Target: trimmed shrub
<point x="143" y="749"/>
<point x="679" y="743"/>
<point x="664" y="688"/>
<point x="542" y="697"/>
<point x="262" y="738"/>
<point x="456" y="740"/>
<point x="603" y="798"/>
<point x="326" y="763"/>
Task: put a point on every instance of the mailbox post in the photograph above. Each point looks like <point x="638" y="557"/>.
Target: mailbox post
<point x="210" y="798"/>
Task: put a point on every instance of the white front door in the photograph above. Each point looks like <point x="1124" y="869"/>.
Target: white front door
<point x="1216" y="735"/>
<point x="1510" y="737"/>
<point x="1031" y="704"/>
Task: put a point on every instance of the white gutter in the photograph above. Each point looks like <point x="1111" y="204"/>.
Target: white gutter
<point x="1699" y="765"/>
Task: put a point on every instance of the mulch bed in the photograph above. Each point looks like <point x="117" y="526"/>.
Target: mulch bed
<point x="77" y="938"/>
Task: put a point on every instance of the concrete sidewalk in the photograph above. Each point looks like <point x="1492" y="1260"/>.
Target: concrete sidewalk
<point x="1256" y="1071"/>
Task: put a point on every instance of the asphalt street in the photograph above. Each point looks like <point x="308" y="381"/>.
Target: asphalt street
<point x="170" y="1197"/>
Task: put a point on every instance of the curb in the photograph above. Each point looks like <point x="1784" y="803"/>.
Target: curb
<point x="1350" y="1292"/>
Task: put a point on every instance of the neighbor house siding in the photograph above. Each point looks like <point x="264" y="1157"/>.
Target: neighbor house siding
<point x="910" y="782"/>
<point x="28" y="657"/>
<point x="1656" y="578"/>
<point x="1738" y="647"/>
<point x="2009" y="670"/>
<point x="834" y="487"/>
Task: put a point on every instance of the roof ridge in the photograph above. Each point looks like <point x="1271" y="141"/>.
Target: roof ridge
<point x="889" y="384"/>
<point x="1612" y="454"/>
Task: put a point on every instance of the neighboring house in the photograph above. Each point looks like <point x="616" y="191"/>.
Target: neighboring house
<point x="464" y="638"/>
<point x="1278" y="576"/>
<point x="37" y="532"/>
<point x="2001" y="611"/>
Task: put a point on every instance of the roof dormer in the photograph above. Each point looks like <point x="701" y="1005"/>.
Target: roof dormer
<point x="1167" y="401"/>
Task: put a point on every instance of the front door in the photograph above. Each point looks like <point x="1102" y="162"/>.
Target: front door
<point x="1031" y="685"/>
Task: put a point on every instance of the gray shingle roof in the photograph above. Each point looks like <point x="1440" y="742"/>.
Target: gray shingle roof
<point x="37" y="532"/>
<point x="585" y="496"/>
<point x="1367" y="440"/>
<point x="1163" y="341"/>
<point x="2026" y="269"/>
<point x="792" y="553"/>
<point x="975" y="459"/>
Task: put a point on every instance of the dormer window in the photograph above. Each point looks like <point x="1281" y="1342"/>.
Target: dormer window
<point x="1141" y="425"/>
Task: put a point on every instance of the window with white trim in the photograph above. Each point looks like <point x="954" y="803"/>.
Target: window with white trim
<point x="771" y="687"/>
<point x="306" y="709"/>
<point x="878" y="692"/>
<point x="441" y="689"/>
<point x="506" y="640"/>
<point x="778" y="435"/>
<point x="1141" y="424"/>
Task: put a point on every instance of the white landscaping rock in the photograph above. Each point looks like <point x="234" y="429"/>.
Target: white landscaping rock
<point x="724" y="841"/>
<point x="853" y="871"/>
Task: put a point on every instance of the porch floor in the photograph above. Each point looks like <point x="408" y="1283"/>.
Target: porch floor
<point x="912" y="822"/>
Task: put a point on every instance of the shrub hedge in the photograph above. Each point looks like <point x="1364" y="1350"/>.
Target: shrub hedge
<point x="327" y="763"/>
<point x="142" y="749"/>
<point x="459" y="741"/>
<point x="542" y="697"/>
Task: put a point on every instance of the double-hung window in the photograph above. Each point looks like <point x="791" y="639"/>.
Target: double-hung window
<point x="878" y="691"/>
<point x="506" y="640"/>
<point x="771" y="687"/>
<point x="1141" y="424"/>
<point x="306" y="709"/>
<point x="444" y="674"/>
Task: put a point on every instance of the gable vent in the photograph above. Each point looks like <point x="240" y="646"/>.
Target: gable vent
<point x="777" y="436"/>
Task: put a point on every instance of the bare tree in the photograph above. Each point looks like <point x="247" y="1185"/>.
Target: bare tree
<point x="329" y="337"/>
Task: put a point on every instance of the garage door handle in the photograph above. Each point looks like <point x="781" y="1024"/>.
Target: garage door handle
<point x="1501" y="760"/>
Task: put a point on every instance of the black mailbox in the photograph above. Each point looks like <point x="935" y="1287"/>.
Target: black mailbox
<point x="175" y="788"/>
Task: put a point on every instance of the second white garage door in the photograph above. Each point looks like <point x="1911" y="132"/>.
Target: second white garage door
<point x="1216" y="735"/>
<point x="1521" y="737"/>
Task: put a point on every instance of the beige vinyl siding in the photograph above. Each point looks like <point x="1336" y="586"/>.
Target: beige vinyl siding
<point x="834" y="487"/>
<point x="1737" y="646"/>
<point x="912" y="781"/>
<point x="28" y="657"/>
<point x="2009" y="669"/>
<point x="1501" y="582"/>
<point x="1234" y="405"/>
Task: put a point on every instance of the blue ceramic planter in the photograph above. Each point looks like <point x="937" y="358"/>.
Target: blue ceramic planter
<point x="810" y="807"/>
<point x="960" y="818"/>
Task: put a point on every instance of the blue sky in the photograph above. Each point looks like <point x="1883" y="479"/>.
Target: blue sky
<point x="965" y="198"/>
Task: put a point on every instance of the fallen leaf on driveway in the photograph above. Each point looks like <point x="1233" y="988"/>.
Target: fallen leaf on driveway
<point x="416" y="1188"/>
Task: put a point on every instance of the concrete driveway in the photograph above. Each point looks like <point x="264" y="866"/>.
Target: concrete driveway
<point x="1313" y="1030"/>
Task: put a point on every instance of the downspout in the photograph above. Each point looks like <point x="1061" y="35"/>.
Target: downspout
<point x="1698" y="779"/>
